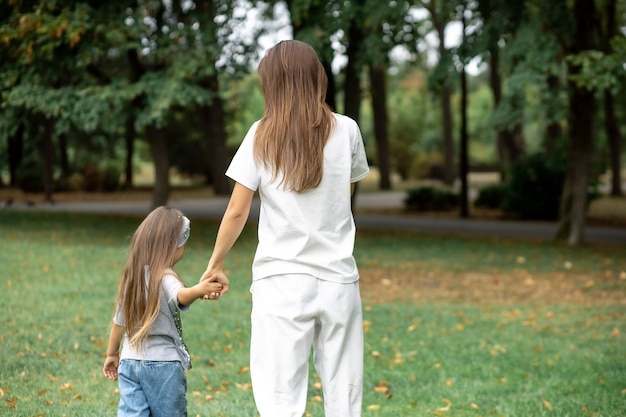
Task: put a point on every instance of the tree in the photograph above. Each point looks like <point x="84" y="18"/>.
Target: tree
<point x="440" y="15"/>
<point x="499" y="20"/>
<point x="611" y="125"/>
<point x="582" y="105"/>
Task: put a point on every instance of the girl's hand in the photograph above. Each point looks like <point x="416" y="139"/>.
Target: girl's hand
<point x="111" y="364"/>
<point x="216" y="276"/>
<point x="211" y="289"/>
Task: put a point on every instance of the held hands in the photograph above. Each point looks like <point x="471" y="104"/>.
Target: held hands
<point x="216" y="277"/>
<point x="210" y="288"/>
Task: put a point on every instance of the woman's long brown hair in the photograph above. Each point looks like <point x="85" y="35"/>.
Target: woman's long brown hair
<point x="297" y="122"/>
<point x="153" y="246"/>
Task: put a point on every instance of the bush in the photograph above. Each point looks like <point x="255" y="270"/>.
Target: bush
<point x="535" y="187"/>
<point x="111" y="178"/>
<point x="492" y="196"/>
<point x="29" y="176"/>
<point x="431" y="199"/>
<point x="92" y="177"/>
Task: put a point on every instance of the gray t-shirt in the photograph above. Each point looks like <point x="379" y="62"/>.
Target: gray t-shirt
<point x="164" y="341"/>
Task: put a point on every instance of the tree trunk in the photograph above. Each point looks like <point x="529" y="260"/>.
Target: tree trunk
<point x="136" y="72"/>
<point x="509" y="140"/>
<point x="15" y="150"/>
<point x="615" y="142"/>
<point x="331" y="91"/>
<point x="64" y="161"/>
<point x="464" y="153"/>
<point x="213" y="122"/>
<point x="554" y="131"/>
<point x="352" y="83"/>
<point x="611" y="126"/>
<point x="129" y="140"/>
<point x="379" y="109"/>
<point x="580" y="121"/>
<point x="160" y="158"/>
<point x="48" y="150"/>
<point x="449" y="169"/>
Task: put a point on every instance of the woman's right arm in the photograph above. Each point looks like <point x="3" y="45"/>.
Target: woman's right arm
<point x="232" y="224"/>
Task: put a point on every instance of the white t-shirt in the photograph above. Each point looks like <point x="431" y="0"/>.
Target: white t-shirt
<point x="310" y="232"/>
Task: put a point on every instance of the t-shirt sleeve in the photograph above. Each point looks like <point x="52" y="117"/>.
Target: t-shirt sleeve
<point x="171" y="286"/>
<point x="243" y="167"/>
<point x="118" y="318"/>
<point x="360" y="169"/>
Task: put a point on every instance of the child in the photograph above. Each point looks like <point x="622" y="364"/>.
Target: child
<point x="304" y="160"/>
<point x="153" y="359"/>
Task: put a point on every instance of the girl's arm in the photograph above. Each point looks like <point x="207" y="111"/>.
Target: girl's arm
<point x="187" y="295"/>
<point x="232" y="224"/>
<point x="112" y="360"/>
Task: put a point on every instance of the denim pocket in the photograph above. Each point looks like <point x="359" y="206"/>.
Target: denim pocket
<point x="160" y="364"/>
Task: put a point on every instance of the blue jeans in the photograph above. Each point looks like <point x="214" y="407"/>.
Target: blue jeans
<point x="151" y="389"/>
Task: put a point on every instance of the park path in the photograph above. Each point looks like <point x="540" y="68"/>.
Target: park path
<point x="367" y="204"/>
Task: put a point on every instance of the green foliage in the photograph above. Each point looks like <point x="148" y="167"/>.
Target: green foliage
<point x="91" y="67"/>
<point x="431" y="199"/>
<point x="492" y="196"/>
<point x="598" y="71"/>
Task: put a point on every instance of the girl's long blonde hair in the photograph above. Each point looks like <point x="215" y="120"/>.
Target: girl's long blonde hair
<point x="297" y="122"/>
<point x="153" y="247"/>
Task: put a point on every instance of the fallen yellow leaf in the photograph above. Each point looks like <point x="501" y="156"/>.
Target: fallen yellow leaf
<point x="474" y="406"/>
<point x="382" y="387"/>
<point x="546" y="404"/>
<point x="447" y="407"/>
<point x="373" y="407"/>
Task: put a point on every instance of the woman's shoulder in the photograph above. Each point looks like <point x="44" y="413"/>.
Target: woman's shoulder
<point x="347" y="125"/>
<point x="342" y="118"/>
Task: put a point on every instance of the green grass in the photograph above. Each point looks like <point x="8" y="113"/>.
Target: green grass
<point x="494" y="358"/>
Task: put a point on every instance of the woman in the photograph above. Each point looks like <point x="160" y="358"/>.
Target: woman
<point x="304" y="160"/>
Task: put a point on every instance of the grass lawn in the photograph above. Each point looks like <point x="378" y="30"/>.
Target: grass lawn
<point x="454" y="326"/>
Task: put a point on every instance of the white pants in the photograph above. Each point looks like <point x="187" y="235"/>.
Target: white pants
<point x="290" y="315"/>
